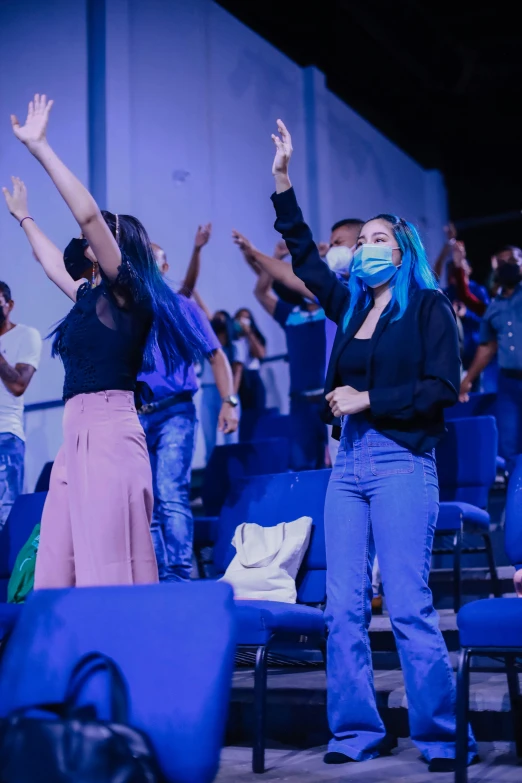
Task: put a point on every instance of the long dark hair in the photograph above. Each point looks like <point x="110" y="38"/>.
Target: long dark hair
<point x="225" y="325"/>
<point x="258" y="335"/>
<point x="174" y="330"/>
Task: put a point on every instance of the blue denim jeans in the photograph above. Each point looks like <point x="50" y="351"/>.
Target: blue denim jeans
<point x="509" y="419"/>
<point x="170" y="439"/>
<point x="12" y="453"/>
<point x="382" y="492"/>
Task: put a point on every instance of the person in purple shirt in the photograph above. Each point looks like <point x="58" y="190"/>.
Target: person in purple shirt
<point x="169" y="421"/>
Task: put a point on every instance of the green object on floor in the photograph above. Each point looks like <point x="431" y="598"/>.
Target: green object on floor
<point x="22" y="579"/>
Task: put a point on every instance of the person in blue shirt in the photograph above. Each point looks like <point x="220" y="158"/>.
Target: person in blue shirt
<point x="169" y="421"/>
<point x="304" y="325"/>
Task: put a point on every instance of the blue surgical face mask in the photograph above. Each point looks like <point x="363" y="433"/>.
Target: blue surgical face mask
<point x="373" y="264"/>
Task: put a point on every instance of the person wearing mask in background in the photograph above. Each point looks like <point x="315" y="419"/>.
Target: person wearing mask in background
<point x="337" y="254"/>
<point x="252" y="393"/>
<point x="501" y="332"/>
<point x="303" y="322"/>
<point x="169" y="421"/>
<point x="469" y="320"/>
<point x="211" y="402"/>
<point x="20" y="351"/>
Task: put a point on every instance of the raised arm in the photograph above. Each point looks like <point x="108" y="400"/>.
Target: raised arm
<point x="191" y="278"/>
<point x="199" y="301"/>
<point x="277" y="269"/>
<point x="451" y="236"/>
<point x="306" y="261"/>
<point x="82" y="205"/>
<point x="263" y="293"/>
<point x="472" y="302"/>
<point x="46" y="252"/>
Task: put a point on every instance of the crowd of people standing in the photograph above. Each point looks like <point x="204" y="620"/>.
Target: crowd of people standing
<point x="375" y="352"/>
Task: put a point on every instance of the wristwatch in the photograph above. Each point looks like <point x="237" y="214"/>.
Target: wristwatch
<point x="232" y="400"/>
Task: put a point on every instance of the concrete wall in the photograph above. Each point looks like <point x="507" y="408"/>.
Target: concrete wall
<point x="184" y="103"/>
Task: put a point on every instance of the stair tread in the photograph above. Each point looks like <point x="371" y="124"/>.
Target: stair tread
<point x="488" y="691"/>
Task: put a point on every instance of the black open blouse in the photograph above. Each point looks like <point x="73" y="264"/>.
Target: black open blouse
<point x="413" y="365"/>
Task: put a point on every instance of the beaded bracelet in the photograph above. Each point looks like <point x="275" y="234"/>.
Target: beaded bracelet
<point x="27" y="217"/>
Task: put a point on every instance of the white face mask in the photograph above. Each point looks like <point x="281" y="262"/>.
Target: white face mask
<point x="339" y="258"/>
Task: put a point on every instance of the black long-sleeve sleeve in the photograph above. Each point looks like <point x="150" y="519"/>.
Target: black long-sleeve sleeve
<point x="306" y="262"/>
<point x="439" y="386"/>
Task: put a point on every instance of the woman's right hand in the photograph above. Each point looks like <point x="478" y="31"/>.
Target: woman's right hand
<point x="283" y="145"/>
<point x="33" y="133"/>
<point x="465" y="388"/>
<point x="17" y="200"/>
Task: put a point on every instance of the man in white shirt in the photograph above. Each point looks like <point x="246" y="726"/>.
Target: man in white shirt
<point x="20" y="350"/>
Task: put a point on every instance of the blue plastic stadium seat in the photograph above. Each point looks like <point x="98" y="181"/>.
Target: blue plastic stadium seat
<point x="451" y="516"/>
<point x="467" y="468"/>
<point x="267" y="501"/>
<point x="25" y="514"/>
<point x="9" y="615"/>
<point x="491" y="622"/>
<point x="228" y="464"/>
<point x="493" y="627"/>
<point x="174" y="643"/>
<point x="482" y="404"/>
<point x="258" y="621"/>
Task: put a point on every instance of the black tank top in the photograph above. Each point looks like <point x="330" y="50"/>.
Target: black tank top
<point x="102" y="343"/>
<point x="353" y="363"/>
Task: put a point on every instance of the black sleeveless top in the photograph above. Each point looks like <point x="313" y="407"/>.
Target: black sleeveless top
<point x="102" y="343"/>
<point x="353" y="364"/>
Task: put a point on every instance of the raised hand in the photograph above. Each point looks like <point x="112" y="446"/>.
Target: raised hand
<point x="203" y="235"/>
<point x="34" y="130"/>
<point x="459" y="254"/>
<point x="281" y="250"/>
<point x="451" y="233"/>
<point x="244" y="244"/>
<point x="17" y="200"/>
<point x="323" y="248"/>
<point x="283" y="145"/>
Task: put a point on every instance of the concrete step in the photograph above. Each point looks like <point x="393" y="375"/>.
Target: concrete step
<point x="296" y="712"/>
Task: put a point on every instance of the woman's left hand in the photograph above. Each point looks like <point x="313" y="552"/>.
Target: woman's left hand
<point x="17" y="200"/>
<point x="346" y="400"/>
<point x="33" y="132"/>
<point x="228" y="420"/>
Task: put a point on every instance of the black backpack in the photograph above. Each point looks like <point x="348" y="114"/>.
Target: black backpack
<point x="65" y="743"/>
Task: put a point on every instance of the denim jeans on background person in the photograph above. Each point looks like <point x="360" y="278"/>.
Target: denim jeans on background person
<point x="378" y="487"/>
<point x="12" y="454"/>
<point x="210" y="407"/>
<point x="171" y="436"/>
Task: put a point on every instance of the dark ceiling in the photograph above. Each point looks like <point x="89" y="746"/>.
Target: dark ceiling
<point x="441" y="79"/>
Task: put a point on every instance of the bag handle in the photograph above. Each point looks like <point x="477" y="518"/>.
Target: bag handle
<point x="239" y="541"/>
<point x="81" y="674"/>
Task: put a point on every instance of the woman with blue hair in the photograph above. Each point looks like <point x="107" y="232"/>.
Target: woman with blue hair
<point x="96" y="521"/>
<point x="394" y="367"/>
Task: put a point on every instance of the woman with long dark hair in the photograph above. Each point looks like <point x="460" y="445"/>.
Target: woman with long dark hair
<point x="394" y="367"/>
<point x="96" y="521"/>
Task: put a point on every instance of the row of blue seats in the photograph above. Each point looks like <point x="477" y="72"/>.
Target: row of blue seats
<point x="466" y="460"/>
<point x="466" y="475"/>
